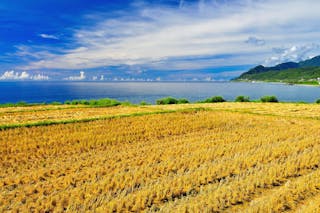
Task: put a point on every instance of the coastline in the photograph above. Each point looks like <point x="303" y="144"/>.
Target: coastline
<point x="135" y="92"/>
<point x="277" y="82"/>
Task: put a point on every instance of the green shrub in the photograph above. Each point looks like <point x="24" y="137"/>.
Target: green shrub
<point x="242" y="98"/>
<point x="93" y="102"/>
<point x="183" y="101"/>
<point x="214" y="99"/>
<point x="126" y="103"/>
<point x="143" y="103"/>
<point x="55" y="103"/>
<point x="167" y="100"/>
<point x="318" y="101"/>
<point x="84" y="102"/>
<point x="272" y="99"/>
<point x="8" y="105"/>
<point x="105" y="102"/>
<point x="21" y="103"/>
<point x="170" y="100"/>
<point x="99" y="102"/>
<point x="75" y="102"/>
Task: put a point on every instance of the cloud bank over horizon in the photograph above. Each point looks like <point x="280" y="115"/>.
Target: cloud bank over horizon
<point x="13" y="75"/>
<point x="81" y="77"/>
<point x="181" y="35"/>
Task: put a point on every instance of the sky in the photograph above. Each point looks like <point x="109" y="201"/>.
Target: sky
<point x="149" y="39"/>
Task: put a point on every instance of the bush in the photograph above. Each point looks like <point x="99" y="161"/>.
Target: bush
<point x="214" y="99"/>
<point x="22" y="103"/>
<point x="8" y="105"/>
<point x="75" y="102"/>
<point x="93" y="102"/>
<point x="104" y="102"/>
<point x="242" y="98"/>
<point x="144" y="103"/>
<point x="170" y="100"/>
<point x="167" y="100"/>
<point x="318" y="101"/>
<point x="99" y="102"/>
<point x="55" y="103"/>
<point x="183" y="101"/>
<point x="126" y="103"/>
<point x="84" y="102"/>
<point x="272" y="99"/>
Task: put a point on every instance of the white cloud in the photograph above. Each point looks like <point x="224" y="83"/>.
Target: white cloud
<point x="76" y="78"/>
<point x="12" y="75"/>
<point x="293" y="53"/>
<point x="47" y="36"/>
<point x="35" y="52"/>
<point x="40" y="77"/>
<point x="159" y="35"/>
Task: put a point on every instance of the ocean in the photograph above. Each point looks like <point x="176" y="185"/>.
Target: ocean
<point x="135" y="92"/>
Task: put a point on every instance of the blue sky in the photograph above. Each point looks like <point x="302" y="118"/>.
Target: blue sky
<point x="167" y="39"/>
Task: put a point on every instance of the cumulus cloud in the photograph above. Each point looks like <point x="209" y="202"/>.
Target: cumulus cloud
<point x="39" y="77"/>
<point x="156" y="34"/>
<point x="12" y="75"/>
<point x="81" y="77"/>
<point x="47" y="36"/>
<point x="293" y="53"/>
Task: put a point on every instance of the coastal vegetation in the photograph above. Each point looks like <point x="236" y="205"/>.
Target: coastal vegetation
<point x="242" y="98"/>
<point x="304" y="72"/>
<point x="294" y="76"/>
<point x="99" y="102"/>
<point x="107" y="102"/>
<point x="272" y="99"/>
<point x="214" y="99"/>
<point x="171" y="100"/>
<point x="167" y="158"/>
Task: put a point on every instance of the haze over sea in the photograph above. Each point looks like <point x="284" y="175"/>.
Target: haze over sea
<point x="135" y="92"/>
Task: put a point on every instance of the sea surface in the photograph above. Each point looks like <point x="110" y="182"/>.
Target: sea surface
<point x="135" y="92"/>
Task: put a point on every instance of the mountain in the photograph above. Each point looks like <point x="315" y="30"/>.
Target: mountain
<point x="304" y="72"/>
<point x="313" y="62"/>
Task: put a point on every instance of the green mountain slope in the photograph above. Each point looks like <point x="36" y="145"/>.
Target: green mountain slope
<point x="313" y="62"/>
<point x="304" y="72"/>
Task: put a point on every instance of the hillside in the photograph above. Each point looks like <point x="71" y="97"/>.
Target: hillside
<point x="304" y="72"/>
<point x="170" y="158"/>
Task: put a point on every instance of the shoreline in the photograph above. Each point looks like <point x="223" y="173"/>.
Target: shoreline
<point x="107" y="102"/>
<point x="277" y="82"/>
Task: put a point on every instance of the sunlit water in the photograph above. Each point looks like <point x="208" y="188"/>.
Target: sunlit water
<point x="135" y="92"/>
